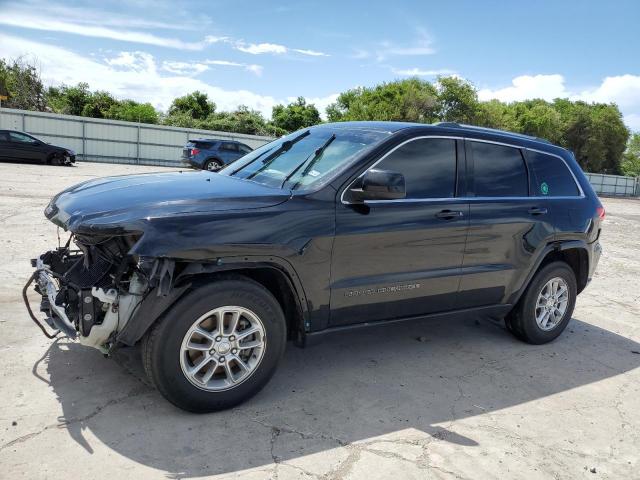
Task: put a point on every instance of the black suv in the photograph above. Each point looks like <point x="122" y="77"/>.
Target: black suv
<point x="22" y="146"/>
<point x="211" y="154"/>
<point x="326" y="229"/>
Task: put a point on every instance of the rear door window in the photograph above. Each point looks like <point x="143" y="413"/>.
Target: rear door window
<point x="428" y="166"/>
<point x="498" y="170"/>
<point x="231" y="147"/>
<point x="550" y="176"/>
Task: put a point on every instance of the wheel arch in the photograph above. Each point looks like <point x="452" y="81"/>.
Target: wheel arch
<point x="573" y="252"/>
<point x="282" y="284"/>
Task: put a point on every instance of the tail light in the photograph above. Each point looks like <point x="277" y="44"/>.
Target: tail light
<point x="601" y="213"/>
<point x="195" y="151"/>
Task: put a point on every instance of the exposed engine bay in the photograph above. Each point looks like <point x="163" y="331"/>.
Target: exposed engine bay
<point x="90" y="287"/>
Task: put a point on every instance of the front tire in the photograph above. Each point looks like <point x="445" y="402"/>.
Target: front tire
<point x="217" y="346"/>
<point x="546" y="306"/>
<point x="56" y="160"/>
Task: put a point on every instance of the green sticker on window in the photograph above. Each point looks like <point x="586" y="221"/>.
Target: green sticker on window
<point x="544" y="188"/>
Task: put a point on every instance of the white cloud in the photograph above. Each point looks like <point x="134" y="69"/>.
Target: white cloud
<point x="624" y="90"/>
<point x="272" y="48"/>
<point x="422" y="45"/>
<point x="417" y="72"/>
<point x="136" y="75"/>
<point x="89" y="22"/>
<point x="524" y="87"/>
<point x="250" y="67"/>
<point x="189" y="69"/>
<point x="132" y="75"/>
<point x="312" y="53"/>
<point x="34" y="21"/>
<point x="86" y="15"/>
<point x="261" y="48"/>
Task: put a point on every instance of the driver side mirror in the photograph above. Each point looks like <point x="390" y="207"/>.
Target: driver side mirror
<point x="378" y="185"/>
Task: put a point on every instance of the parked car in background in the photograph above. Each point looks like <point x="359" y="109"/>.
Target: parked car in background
<point x="333" y="227"/>
<point x="22" y="146"/>
<point x="211" y="154"/>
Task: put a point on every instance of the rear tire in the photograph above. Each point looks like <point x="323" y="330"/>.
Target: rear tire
<point x="212" y="165"/>
<point x="546" y="307"/>
<point x="201" y="355"/>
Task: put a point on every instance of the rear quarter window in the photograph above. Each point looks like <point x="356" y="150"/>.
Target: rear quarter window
<point x="550" y="176"/>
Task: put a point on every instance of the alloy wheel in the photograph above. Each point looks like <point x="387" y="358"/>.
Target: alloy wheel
<point x="223" y="348"/>
<point x="552" y="303"/>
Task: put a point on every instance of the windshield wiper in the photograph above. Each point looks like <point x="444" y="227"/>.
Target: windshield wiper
<point x="285" y="147"/>
<point x="247" y="164"/>
<point x="312" y="161"/>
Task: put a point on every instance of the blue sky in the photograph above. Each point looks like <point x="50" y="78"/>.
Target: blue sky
<point x="263" y="53"/>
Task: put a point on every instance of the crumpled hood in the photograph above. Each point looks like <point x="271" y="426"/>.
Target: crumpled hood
<point x="131" y="198"/>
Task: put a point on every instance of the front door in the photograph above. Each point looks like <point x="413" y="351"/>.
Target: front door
<point x="24" y="147"/>
<point x="401" y="258"/>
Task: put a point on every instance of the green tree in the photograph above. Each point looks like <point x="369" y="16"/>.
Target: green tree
<point x="131" y="111"/>
<point x="98" y="104"/>
<point x="496" y="114"/>
<point x="595" y="133"/>
<point x="69" y="100"/>
<point x="295" y="116"/>
<point x="20" y="81"/>
<point x="196" y="104"/>
<point x="411" y="100"/>
<point x="242" y="120"/>
<point x="631" y="160"/>
<point x="539" y="119"/>
<point x="458" y="100"/>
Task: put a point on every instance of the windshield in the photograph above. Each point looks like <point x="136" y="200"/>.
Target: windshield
<point x="303" y="159"/>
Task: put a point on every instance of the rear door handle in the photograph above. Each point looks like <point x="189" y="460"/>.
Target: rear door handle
<point x="537" y="211"/>
<point x="449" y="214"/>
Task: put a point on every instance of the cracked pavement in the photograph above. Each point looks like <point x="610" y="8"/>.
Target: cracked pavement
<point x="466" y="401"/>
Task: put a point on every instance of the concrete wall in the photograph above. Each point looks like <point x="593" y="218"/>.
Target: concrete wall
<point x="113" y="141"/>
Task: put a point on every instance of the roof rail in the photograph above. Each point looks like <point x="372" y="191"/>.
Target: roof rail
<point x="490" y="130"/>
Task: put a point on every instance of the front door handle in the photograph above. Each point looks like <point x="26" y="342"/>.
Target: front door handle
<point x="449" y="214"/>
<point x="537" y="211"/>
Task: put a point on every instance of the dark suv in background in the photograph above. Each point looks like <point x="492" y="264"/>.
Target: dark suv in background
<point x="211" y="154"/>
<point x="330" y="228"/>
<point x="22" y="146"/>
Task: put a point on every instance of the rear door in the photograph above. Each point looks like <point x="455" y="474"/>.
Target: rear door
<point x="507" y="225"/>
<point x="400" y="258"/>
<point x="229" y="151"/>
<point x="552" y="180"/>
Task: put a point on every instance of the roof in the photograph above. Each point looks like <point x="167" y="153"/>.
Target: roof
<point x="214" y="140"/>
<point x="450" y="127"/>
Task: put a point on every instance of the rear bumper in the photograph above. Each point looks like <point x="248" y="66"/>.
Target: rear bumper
<point x="595" y="251"/>
<point x="190" y="162"/>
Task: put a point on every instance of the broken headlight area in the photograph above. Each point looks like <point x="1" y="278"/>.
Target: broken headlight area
<point x="90" y="287"/>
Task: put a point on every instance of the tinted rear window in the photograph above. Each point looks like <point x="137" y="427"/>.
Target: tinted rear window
<point x="498" y="171"/>
<point x="550" y="176"/>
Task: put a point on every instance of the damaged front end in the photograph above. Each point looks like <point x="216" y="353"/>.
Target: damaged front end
<point x="90" y="288"/>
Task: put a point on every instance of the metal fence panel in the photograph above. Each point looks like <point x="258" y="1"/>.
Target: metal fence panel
<point x="615" y="185"/>
<point x="113" y="141"/>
